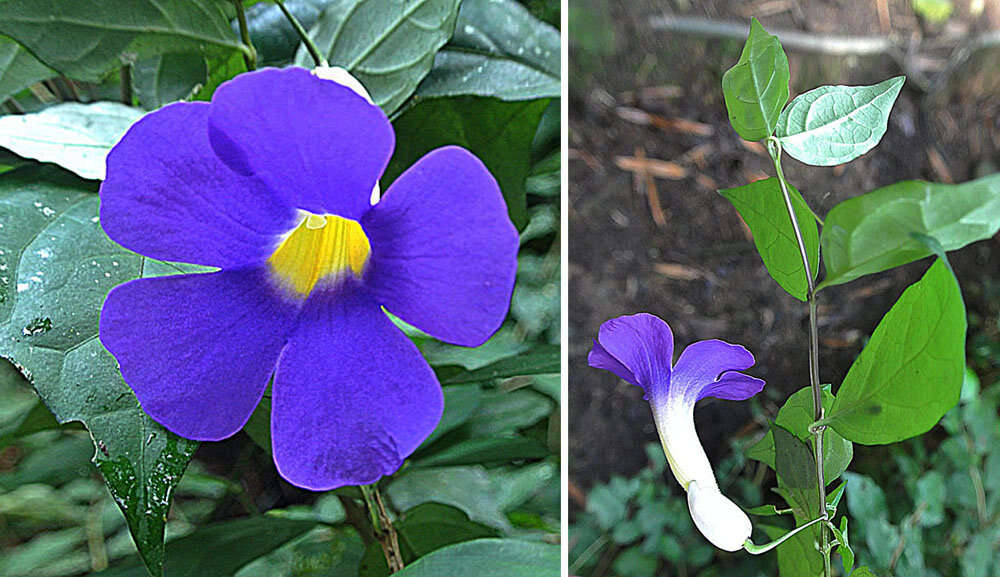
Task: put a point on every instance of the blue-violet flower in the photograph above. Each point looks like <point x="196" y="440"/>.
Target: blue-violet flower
<point x="274" y="183"/>
<point x="639" y="349"/>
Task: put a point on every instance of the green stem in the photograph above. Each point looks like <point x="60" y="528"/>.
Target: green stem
<point x="774" y="149"/>
<point x="385" y="532"/>
<point x="761" y="549"/>
<point x="250" y="53"/>
<point x="317" y="56"/>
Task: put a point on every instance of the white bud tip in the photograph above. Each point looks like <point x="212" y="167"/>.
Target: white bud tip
<point x="721" y="522"/>
<point x="343" y="77"/>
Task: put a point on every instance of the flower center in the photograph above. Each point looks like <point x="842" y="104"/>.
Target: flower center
<point x="320" y="246"/>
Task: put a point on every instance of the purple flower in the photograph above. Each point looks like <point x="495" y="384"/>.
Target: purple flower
<point x="272" y="184"/>
<point x="639" y="349"/>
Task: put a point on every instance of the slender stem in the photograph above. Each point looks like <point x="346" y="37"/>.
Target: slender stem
<point x="385" y="532"/>
<point x="250" y="55"/>
<point x="760" y="549"/>
<point x="317" y="56"/>
<point x="774" y="149"/>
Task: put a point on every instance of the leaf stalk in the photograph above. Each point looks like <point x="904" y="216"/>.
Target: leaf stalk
<point x="317" y="56"/>
<point x="250" y="53"/>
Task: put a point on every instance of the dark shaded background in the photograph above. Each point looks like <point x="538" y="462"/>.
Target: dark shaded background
<point x="636" y="90"/>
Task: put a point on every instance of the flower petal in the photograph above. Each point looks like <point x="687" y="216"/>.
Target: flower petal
<point x="444" y="252"/>
<point x="198" y="350"/>
<point x="733" y="386"/>
<point x="167" y="196"/>
<point x="703" y="370"/>
<point x="723" y="523"/>
<point x="642" y="344"/>
<point x="352" y="396"/>
<point x="316" y="141"/>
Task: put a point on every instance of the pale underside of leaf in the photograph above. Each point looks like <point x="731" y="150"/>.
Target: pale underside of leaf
<point x="73" y="135"/>
<point x="831" y="125"/>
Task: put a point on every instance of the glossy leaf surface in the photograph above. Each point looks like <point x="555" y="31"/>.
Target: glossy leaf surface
<point x="56" y="265"/>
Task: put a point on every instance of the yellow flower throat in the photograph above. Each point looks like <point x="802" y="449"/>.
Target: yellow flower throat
<point x="321" y="245"/>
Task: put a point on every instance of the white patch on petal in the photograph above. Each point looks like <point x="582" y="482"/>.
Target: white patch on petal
<point x="721" y="522"/>
<point x="343" y="77"/>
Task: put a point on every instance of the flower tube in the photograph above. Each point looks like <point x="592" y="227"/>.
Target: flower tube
<point x="639" y="349"/>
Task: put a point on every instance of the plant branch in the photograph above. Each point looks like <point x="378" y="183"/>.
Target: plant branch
<point x="250" y="54"/>
<point x="317" y="56"/>
<point x="774" y="149"/>
<point x="385" y="532"/>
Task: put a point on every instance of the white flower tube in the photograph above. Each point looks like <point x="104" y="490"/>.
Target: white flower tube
<point x="639" y="349"/>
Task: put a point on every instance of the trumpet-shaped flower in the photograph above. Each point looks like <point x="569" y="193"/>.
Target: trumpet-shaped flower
<point x="639" y="349"/>
<point x="274" y="183"/>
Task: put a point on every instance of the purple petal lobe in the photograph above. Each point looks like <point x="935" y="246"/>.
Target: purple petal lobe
<point x="708" y="369"/>
<point x="642" y="345"/>
<point x="444" y="252"/>
<point x="198" y="350"/>
<point x="315" y="141"/>
<point x="352" y="396"/>
<point x="167" y="196"/>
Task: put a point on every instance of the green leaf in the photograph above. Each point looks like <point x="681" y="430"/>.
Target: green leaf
<point x="934" y="11"/>
<point x="485" y="450"/>
<point x="911" y="371"/>
<point x="797" y="557"/>
<point x="756" y="88"/>
<point x="795" y="416"/>
<point x="460" y="403"/>
<point x="220" y="550"/>
<point x="499" y="49"/>
<point x="762" y="207"/>
<point x="431" y="526"/>
<point x="56" y="266"/>
<point x="322" y="552"/>
<point x="865" y="499"/>
<point x="505" y="412"/>
<point x="73" y="135"/>
<point x="793" y="461"/>
<point x="764" y="511"/>
<point x="862" y="572"/>
<point x="608" y="508"/>
<point x="468" y="488"/>
<point x="18" y="69"/>
<point x="832" y="125"/>
<point x="499" y="133"/>
<point x="220" y="69"/>
<point x="37" y="418"/>
<point x="875" y="231"/>
<point x="389" y="45"/>
<point x="843" y="546"/>
<point x="84" y="40"/>
<point x="273" y="35"/>
<point x="488" y="558"/>
<point x="166" y="78"/>
<point x="633" y="562"/>
<point x="833" y="497"/>
<point x="540" y="360"/>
